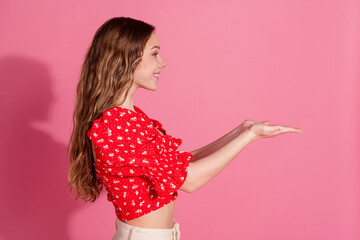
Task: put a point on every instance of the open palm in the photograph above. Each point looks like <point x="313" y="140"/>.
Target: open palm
<point x="265" y="130"/>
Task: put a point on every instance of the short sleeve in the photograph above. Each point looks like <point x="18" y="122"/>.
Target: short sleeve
<point x="158" y="125"/>
<point x="129" y="147"/>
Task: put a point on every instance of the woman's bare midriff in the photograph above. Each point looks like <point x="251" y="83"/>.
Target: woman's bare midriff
<point x="160" y="218"/>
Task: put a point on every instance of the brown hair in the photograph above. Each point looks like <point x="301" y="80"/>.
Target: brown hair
<point x="107" y="73"/>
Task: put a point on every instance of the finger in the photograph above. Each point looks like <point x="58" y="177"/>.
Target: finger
<point x="290" y="129"/>
<point x="293" y="129"/>
<point x="274" y="128"/>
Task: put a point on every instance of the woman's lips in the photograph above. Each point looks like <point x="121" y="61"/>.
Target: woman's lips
<point x="156" y="75"/>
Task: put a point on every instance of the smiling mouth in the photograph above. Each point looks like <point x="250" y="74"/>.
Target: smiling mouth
<point x="156" y="75"/>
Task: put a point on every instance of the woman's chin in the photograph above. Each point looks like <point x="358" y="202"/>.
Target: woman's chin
<point x="152" y="87"/>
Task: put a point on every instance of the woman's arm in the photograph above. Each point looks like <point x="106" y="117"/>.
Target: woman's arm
<point x="209" y="163"/>
<point x="214" y="161"/>
<point x="215" y="145"/>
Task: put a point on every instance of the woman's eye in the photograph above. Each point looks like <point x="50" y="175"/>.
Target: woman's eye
<point x="155" y="54"/>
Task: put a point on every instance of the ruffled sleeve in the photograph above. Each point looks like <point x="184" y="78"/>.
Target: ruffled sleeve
<point x="130" y="147"/>
<point x="158" y="125"/>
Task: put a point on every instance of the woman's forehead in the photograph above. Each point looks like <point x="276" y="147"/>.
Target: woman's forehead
<point x="153" y="42"/>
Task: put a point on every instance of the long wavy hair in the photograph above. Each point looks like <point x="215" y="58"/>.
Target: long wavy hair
<point x="107" y="74"/>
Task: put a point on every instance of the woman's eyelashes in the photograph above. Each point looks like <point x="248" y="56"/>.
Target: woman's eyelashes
<point x="154" y="54"/>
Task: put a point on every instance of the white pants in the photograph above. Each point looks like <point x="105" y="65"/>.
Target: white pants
<point x="126" y="231"/>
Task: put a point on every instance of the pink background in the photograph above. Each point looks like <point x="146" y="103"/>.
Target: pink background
<point x="289" y="62"/>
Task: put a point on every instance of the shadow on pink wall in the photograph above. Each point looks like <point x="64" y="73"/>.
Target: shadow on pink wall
<point x="35" y="200"/>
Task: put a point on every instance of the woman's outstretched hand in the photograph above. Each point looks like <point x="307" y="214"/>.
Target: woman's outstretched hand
<point x="265" y="130"/>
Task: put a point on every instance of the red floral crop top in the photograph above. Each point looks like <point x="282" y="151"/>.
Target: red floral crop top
<point x="140" y="168"/>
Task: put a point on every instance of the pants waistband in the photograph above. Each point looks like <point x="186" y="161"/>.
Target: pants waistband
<point x="174" y="231"/>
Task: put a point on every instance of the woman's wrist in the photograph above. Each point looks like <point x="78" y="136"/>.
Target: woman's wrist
<point x="249" y="134"/>
<point x="239" y="130"/>
<point x="246" y="130"/>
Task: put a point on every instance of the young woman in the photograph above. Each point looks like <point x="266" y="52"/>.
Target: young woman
<point x="117" y="145"/>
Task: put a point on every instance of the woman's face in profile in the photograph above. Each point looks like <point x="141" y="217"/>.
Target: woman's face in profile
<point x="146" y="73"/>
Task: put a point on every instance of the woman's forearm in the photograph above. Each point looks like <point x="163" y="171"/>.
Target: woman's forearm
<point x="204" y="169"/>
<point x="215" y="145"/>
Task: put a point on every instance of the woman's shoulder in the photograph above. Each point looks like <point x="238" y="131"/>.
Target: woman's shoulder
<point x="120" y="114"/>
<point x="122" y="121"/>
<point x="156" y="122"/>
<point x="124" y="113"/>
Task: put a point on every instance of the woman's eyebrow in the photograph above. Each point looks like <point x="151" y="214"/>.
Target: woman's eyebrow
<point x="155" y="47"/>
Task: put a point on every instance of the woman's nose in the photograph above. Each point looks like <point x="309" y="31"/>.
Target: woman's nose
<point x="162" y="63"/>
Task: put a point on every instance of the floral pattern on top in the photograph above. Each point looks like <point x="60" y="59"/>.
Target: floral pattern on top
<point x="140" y="168"/>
